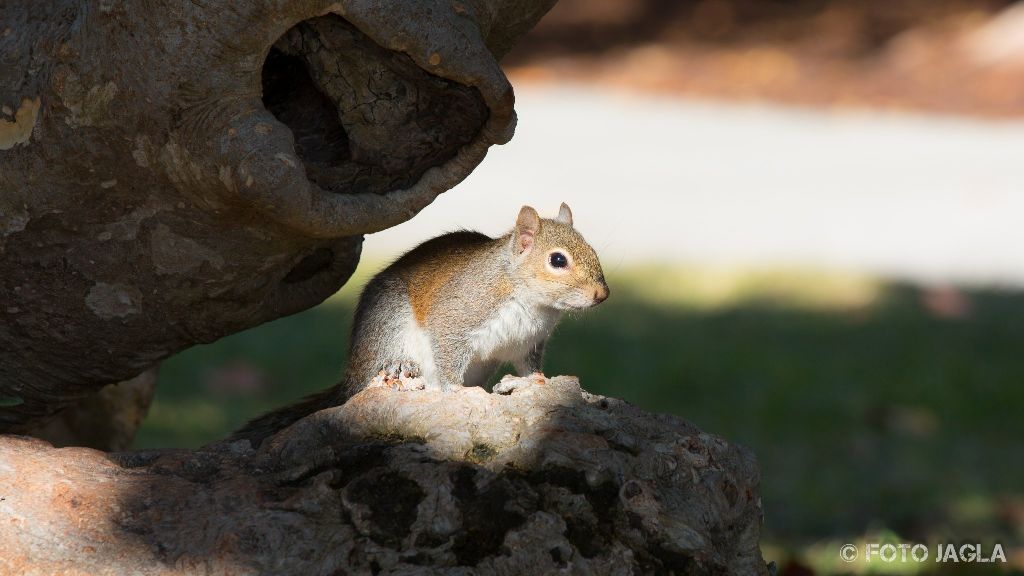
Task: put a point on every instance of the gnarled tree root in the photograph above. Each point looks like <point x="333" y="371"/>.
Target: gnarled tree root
<point x="550" y="479"/>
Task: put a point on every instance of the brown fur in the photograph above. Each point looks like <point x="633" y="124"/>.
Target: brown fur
<point x="426" y="269"/>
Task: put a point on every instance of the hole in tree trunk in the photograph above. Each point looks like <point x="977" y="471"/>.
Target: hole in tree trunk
<point x="364" y="118"/>
<point x="290" y="95"/>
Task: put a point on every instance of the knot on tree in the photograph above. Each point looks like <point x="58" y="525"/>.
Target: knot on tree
<point x="548" y="479"/>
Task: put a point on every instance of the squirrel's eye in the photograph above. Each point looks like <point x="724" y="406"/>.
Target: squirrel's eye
<point x="558" y="260"/>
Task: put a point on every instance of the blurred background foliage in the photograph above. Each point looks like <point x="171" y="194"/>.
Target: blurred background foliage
<point x="881" y="409"/>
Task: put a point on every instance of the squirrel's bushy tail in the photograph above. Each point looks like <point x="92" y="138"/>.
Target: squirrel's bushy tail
<point x="259" y="429"/>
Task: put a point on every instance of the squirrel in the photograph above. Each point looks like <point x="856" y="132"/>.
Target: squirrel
<point x="456" y="307"/>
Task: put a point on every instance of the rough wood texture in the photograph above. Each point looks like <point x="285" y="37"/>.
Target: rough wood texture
<point x="173" y="172"/>
<point x="549" y="479"/>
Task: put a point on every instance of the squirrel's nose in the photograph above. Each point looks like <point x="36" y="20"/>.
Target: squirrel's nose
<point x="601" y="293"/>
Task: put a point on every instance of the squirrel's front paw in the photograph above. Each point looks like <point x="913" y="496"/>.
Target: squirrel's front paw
<point x="400" y="375"/>
<point x="399" y="370"/>
<point x="510" y="382"/>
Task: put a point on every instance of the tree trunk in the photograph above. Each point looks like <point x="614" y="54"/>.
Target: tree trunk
<point x="549" y="479"/>
<point x="174" y="172"/>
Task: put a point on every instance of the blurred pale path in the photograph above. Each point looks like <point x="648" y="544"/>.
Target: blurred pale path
<point x="653" y="179"/>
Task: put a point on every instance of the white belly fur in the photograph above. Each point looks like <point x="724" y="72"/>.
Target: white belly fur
<point x="510" y="333"/>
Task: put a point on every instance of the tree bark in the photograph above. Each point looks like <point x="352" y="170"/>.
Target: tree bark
<point x="173" y="172"/>
<point x="549" y="479"/>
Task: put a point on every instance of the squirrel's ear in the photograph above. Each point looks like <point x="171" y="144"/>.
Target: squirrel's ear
<point x="564" y="214"/>
<point x="527" y="226"/>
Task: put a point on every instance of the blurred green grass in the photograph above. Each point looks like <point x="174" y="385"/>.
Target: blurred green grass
<point x="872" y="406"/>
